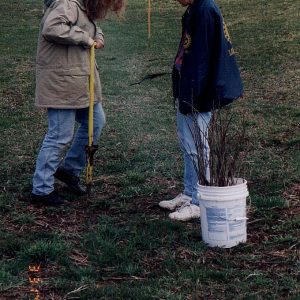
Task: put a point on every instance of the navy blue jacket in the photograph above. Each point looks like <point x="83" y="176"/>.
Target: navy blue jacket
<point x="209" y="77"/>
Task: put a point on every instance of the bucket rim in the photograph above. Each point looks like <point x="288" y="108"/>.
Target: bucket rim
<point x="237" y="192"/>
<point x="240" y="181"/>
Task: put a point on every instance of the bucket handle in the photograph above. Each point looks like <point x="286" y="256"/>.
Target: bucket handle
<point x="235" y="219"/>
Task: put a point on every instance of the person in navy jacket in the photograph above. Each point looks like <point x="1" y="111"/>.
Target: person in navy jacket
<point x="205" y="77"/>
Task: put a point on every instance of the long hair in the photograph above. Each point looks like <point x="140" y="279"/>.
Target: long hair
<point x="98" y="9"/>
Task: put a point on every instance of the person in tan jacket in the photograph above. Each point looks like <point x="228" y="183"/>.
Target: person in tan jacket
<point x="67" y="32"/>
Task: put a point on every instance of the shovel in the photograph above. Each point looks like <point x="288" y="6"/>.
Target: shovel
<point x="91" y="148"/>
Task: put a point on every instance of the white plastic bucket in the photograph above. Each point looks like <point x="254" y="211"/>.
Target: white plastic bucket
<point x="223" y="214"/>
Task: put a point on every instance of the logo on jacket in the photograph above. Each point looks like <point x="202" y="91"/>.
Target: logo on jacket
<point x="226" y="32"/>
<point x="227" y="36"/>
<point x="187" y="41"/>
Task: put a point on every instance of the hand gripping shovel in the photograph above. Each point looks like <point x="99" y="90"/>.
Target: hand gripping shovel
<point x="91" y="148"/>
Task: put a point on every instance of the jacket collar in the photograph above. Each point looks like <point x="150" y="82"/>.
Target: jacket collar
<point x="80" y="3"/>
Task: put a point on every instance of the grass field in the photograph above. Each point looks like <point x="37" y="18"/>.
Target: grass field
<point x="118" y="244"/>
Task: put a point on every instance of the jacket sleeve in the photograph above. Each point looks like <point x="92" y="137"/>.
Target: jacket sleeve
<point x="99" y="34"/>
<point x="59" y="26"/>
<point x="197" y="61"/>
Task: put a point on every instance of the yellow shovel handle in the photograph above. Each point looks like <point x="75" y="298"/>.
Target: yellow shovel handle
<point x="92" y="95"/>
<point x="89" y="169"/>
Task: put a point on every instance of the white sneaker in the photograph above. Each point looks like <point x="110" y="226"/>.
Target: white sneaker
<point x="186" y="212"/>
<point x="179" y="200"/>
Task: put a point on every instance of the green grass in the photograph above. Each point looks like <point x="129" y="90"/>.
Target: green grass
<point x="118" y="244"/>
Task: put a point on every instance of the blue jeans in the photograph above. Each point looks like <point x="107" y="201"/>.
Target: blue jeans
<point x="61" y="123"/>
<point x="185" y="125"/>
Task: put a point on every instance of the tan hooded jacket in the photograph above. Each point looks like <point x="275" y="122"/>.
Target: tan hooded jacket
<point x="63" y="57"/>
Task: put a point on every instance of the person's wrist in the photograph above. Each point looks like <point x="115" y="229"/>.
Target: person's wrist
<point x="91" y="42"/>
<point x="101" y="39"/>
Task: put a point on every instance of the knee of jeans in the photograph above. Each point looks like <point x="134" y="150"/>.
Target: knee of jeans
<point x="99" y="124"/>
<point x="62" y="138"/>
<point x="202" y="155"/>
<point x="188" y="147"/>
<point x="66" y="140"/>
<point x="192" y="155"/>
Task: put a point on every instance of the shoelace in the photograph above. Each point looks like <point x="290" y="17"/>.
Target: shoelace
<point x="183" y="206"/>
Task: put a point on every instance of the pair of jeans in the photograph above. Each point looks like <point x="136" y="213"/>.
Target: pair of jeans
<point x="186" y="127"/>
<point x="61" y="124"/>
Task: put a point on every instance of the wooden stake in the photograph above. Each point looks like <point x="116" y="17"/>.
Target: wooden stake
<point x="149" y="19"/>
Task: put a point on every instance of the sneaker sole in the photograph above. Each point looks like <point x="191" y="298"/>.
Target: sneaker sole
<point x="175" y="206"/>
<point x="184" y="220"/>
<point x="166" y="207"/>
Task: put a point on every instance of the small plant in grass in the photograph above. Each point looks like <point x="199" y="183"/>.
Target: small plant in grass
<point x="46" y="251"/>
<point x="220" y="150"/>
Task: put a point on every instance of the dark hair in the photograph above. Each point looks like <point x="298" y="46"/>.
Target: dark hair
<point x="98" y="9"/>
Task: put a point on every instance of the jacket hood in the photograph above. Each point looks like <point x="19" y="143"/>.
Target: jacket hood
<point x="48" y="2"/>
<point x="80" y="3"/>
